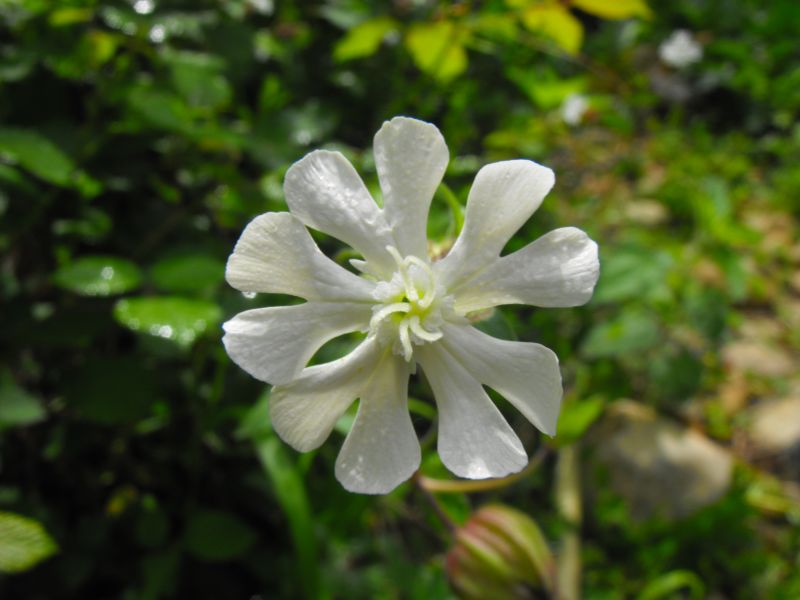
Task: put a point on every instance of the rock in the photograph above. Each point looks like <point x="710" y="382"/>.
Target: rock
<point x="775" y="425"/>
<point x="647" y="212"/>
<point x="660" y="468"/>
<point x="758" y="358"/>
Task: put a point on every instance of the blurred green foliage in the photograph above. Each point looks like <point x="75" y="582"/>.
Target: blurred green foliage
<point x="138" y="138"/>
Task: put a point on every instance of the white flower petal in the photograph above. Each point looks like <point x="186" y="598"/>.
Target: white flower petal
<point x="324" y="191"/>
<point x="503" y="196"/>
<point x="381" y="450"/>
<point x="559" y="269"/>
<point x="275" y="254"/>
<point x="525" y="374"/>
<point x="411" y="157"/>
<point x="304" y="411"/>
<point x="475" y="441"/>
<point x="274" y="344"/>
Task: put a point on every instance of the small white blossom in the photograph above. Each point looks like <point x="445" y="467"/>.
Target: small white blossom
<point x="680" y="49"/>
<point x="412" y="310"/>
<point x="573" y="109"/>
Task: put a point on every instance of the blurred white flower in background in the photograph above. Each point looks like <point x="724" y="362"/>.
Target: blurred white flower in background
<point x="412" y="310"/>
<point x="680" y="49"/>
<point x="574" y="108"/>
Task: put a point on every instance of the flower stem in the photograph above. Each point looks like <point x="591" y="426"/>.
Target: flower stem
<point x="456" y="208"/>
<point x="457" y="486"/>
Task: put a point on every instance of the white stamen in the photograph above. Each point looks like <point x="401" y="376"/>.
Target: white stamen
<point x="418" y="330"/>
<point x="405" y="340"/>
<point x="387" y="310"/>
<point x="415" y="294"/>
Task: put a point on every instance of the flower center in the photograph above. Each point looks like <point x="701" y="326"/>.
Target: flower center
<point x="412" y="306"/>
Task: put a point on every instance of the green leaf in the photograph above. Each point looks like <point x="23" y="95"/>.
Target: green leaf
<point x="37" y="154"/>
<point x="438" y="49"/>
<point x="291" y="493"/>
<point x="289" y="488"/>
<point x="188" y="273"/>
<point x="23" y="543"/>
<point x="181" y="320"/>
<point x="363" y="39"/>
<point x="557" y="23"/>
<point x="215" y="535"/>
<point x="576" y="417"/>
<point x="634" y="272"/>
<point x="670" y="584"/>
<point x="630" y="332"/>
<point x="98" y="276"/>
<point x="617" y="9"/>
<point x="160" y="108"/>
<point x="17" y="406"/>
<point x="546" y="92"/>
<point x="199" y="79"/>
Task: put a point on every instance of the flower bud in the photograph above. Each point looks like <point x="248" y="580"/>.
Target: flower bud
<point x="500" y="553"/>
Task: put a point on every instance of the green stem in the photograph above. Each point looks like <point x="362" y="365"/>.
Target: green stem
<point x="456" y="209"/>
<point x="457" y="486"/>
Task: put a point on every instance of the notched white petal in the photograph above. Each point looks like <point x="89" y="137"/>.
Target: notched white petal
<point x="382" y="450"/>
<point x="304" y="411"/>
<point x="324" y="191"/>
<point x="559" y="269"/>
<point x="475" y="441"/>
<point x="411" y="157"/>
<point x="503" y="196"/>
<point x="525" y="374"/>
<point x="275" y="254"/>
<point x="274" y="344"/>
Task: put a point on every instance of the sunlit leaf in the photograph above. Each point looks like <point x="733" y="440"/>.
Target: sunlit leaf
<point x="363" y="39"/>
<point x="37" y="154"/>
<point x="555" y="22"/>
<point x="614" y="9"/>
<point x="98" y="276"/>
<point x="215" y="535"/>
<point x="23" y="543"/>
<point x="69" y="16"/>
<point x="576" y="417"/>
<point x="181" y="320"/>
<point x="438" y="49"/>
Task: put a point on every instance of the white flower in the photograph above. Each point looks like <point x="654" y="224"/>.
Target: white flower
<point x="573" y="109"/>
<point x="412" y="310"/>
<point x="680" y="49"/>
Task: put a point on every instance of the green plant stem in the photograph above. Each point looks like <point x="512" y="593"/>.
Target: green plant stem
<point x="456" y="209"/>
<point x="457" y="486"/>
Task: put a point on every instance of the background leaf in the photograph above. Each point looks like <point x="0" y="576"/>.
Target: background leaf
<point x="98" y="276"/>
<point x="18" y="407"/>
<point x="438" y="49"/>
<point x="180" y="320"/>
<point x="23" y="543"/>
<point x="215" y="535"/>
<point x="37" y="154"/>
<point x="618" y="9"/>
<point x="364" y="39"/>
